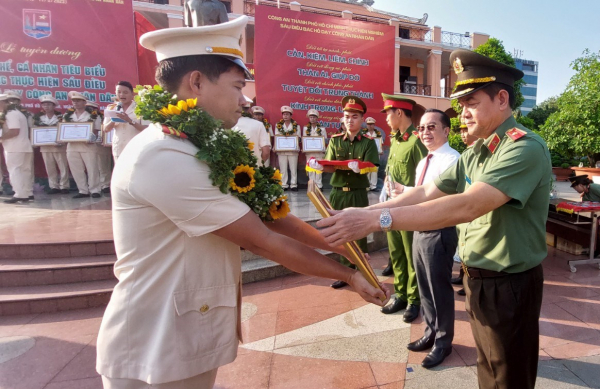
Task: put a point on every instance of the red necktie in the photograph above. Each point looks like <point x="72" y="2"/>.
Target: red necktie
<point x="420" y="182"/>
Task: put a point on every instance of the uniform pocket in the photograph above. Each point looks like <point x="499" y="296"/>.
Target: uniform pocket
<point x="206" y="319"/>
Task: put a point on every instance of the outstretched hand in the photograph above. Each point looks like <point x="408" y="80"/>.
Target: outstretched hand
<point x="368" y="292"/>
<point x="348" y="225"/>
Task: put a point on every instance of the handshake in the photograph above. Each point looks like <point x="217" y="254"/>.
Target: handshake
<point x="314" y="164"/>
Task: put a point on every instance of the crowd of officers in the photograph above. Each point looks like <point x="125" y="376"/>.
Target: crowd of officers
<point x="90" y="163"/>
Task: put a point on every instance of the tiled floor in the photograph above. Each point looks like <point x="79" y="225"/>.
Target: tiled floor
<point x="300" y="333"/>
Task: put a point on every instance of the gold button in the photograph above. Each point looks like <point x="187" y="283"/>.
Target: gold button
<point x="480" y="164"/>
<point x="204" y="308"/>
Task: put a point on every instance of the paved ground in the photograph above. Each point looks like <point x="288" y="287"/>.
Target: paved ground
<point x="298" y="332"/>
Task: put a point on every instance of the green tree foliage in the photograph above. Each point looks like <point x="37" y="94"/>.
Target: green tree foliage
<point x="494" y="49"/>
<point x="540" y="113"/>
<point x="574" y="129"/>
<point x="456" y="142"/>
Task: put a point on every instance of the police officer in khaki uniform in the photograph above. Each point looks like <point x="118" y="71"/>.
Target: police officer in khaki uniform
<point x="312" y="129"/>
<point x="258" y="113"/>
<point x="497" y="195"/>
<point x="103" y="153"/>
<point x="288" y="159"/>
<point x="406" y="150"/>
<point x="349" y="187"/>
<point x="55" y="157"/>
<point x="174" y="315"/>
<point x="18" y="152"/>
<point x="83" y="156"/>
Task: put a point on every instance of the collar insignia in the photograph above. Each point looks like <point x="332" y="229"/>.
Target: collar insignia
<point x="406" y="136"/>
<point x="415" y="133"/>
<point x="493" y="145"/>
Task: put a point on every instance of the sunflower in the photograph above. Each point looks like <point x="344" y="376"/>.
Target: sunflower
<point x="173" y="109"/>
<point x="250" y="145"/>
<point x="277" y="175"/>
<point x="279" y="208"/>
<point x="243" y="180"/>
<point x="191" y="103"/>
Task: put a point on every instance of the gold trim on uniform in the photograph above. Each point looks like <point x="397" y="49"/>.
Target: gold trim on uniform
<point x="224" y="50"/>
<point x="475" y="81"/>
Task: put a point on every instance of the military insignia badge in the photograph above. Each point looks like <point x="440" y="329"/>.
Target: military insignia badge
<point x="415" y="133"/>
<point x="515" y="133"/>
<point x="458" y="66"/>
<point x="36" y="23"/>
<point x="405" y="136"/>
<point x="493" y="145"/>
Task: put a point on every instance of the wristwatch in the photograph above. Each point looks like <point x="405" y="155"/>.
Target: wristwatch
<point x="385" y="220"/>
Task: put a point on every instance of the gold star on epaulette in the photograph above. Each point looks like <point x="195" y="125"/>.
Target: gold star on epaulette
<point x="515" y="133"/>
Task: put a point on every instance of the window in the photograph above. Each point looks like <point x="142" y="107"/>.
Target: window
<point x="529" y="67"/>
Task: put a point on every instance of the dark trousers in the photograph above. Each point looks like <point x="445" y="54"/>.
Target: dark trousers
<point x="433" y="253"/>
<point x="504" y="313"/>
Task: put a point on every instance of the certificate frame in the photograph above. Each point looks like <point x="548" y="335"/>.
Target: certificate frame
<point x="74" y="132"/>
<point x="44" y="136"/>
<point x="313" y="144"/>
<point x="379" y="145"/>
<point x="286" y="143"/>
<point x="107" y="138"/>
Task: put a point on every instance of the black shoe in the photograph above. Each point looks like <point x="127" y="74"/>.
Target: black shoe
<point x="285" y="189"/>
<point x="15" y="200"/>
<point x="461" y="292"/>
<point x="294" y="189"/>
<point x="106" y="190"/>
<point x="339" y="284"/>
<point x="64" y="191"/>
<point x="31" y="198"/>
<point x="81" y="195"/>
<point x="394" y="307"/>
<point x="53" y="191"/>
<point x="389" y="270"/>
<point x="436" y="356"/>
<point x="456" y="280"/>
<point x="411" y="313"/>
<point x="422" y="344"/>
<point x="96" y="195"/>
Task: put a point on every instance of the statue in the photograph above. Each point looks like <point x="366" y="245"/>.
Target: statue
<point x="198" y="13"/>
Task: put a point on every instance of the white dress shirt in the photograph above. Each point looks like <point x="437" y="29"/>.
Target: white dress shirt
<point x="444" y="157"/>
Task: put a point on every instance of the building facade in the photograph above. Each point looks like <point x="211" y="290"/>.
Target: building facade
<point x="422" y="53"/>
<point x="529" y="90"/>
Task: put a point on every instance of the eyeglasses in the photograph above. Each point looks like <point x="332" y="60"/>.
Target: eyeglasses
<point x="430" y="128"/>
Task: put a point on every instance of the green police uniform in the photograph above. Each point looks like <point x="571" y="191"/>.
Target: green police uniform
<point x="349" y="189"/>
<point x="503" y="249"/>
<point x="593" y="194"/>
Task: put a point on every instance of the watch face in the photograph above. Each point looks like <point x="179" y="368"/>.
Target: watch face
<point x="386" y="221"/>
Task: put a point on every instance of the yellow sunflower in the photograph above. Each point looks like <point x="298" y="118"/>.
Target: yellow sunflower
<point x="279" y="208"/>
<point x="164" y="111"/>
<point x="243" y="180"/>
<point x="250" y="145"/>
<point x="182" y="105"/>
<point x="191" y="103"/>
<point x="277" y="175"/>
<point x="173" y="110"/>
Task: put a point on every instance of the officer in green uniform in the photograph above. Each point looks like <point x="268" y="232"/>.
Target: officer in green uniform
<point x="585" y="187"/>
<point x="406" y="150"/>
<point x="349" y="187"/>
<point x="497" y="195"/>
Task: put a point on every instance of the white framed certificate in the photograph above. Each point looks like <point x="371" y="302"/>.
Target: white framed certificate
<point x="43" y="136"/>
<point x="107" y="138"/>
<point x="74" y="132"/>
<point x="313" y="144"/>
<point x="378" y="143"/>
<point x="286" y="143"/>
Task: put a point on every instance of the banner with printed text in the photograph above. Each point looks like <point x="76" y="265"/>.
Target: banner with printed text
<point x="311" y="61"/>
<point x="57" y="46"/>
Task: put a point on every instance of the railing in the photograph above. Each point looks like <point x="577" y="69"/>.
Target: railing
<point x="156" y="1"/>
<point x="456" y="39"/>
<point x="415" y="34"/>
<point x="415" y="89"/>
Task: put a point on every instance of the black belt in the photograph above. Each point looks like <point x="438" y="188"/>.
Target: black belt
<point x="346" y="189"/>
<point x="473" y="272"/>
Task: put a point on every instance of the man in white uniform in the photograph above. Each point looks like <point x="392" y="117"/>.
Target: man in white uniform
<point x="55" y="156"/>
<point x="255" y="132"/>
<point x="103" y="153"/>
<point x="174" y="316"/>
<point x="82" y="156"/>
<point x="313" y="129"/>
<point x="258" y="113"/>
<point x="18" y="153"/>
<point x="288" y="159"/>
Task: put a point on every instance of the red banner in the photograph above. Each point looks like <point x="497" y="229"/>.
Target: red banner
<point x="56" y="46"/>
<point x="311" y="61"/>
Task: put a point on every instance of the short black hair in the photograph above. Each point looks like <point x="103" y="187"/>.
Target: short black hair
<point x="170" y="72"/>
<point x="495" y="87"/>
<point x="126" y="84"/>
<point x="444" y="118"/>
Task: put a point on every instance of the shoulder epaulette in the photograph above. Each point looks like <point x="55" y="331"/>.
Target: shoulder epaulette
<point x="415" y="133"/>
<point x="111" y="106"/>
<point x="515" y="133"/>
<point x="335" y="135"/>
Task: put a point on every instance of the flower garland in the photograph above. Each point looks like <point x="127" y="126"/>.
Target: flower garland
<point x="68" y="117"/>
<point x="37" y="118"/>
<point x="309" y="129"/>
<point x="2" y="118"/>
<point x="377" y="132"/>
<point x="293" y="131"/>
<point x="267" y="125"/>
<point x="247" y="114"/>
<point x="233" y="166"/>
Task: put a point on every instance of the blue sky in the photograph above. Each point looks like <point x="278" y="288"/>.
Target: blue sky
<point x="552" y="32"/>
